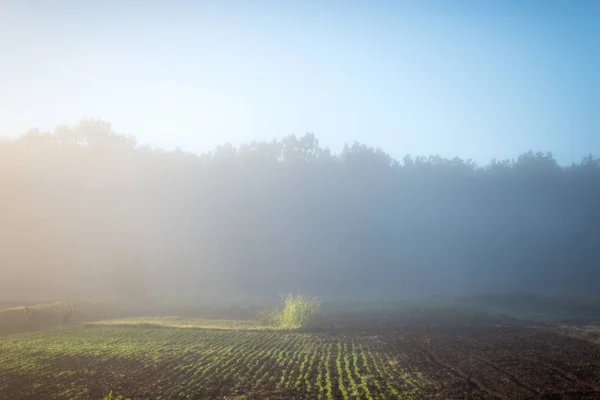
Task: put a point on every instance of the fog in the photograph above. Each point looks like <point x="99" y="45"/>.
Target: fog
<point x="85" y="212"/>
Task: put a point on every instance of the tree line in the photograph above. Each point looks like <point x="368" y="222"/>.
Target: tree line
<point x="86" y="211"/>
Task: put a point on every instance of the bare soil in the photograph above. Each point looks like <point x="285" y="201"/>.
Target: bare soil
<point x="484" y="357"/>
<point x="462" y="357"/>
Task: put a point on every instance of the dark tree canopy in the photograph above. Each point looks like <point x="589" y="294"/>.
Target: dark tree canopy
<point x="85" y="211"/>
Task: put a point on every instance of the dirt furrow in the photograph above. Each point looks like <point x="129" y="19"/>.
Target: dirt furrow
<point x="461" y="375"/>
<point x="517" y="381"/>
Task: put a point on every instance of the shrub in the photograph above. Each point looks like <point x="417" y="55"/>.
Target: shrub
<point x="295" y="312"/>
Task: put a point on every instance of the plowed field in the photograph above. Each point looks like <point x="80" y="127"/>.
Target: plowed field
<point x="351" y="359"/>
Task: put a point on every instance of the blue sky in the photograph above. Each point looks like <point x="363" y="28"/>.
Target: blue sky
<point x="477" y="79"/>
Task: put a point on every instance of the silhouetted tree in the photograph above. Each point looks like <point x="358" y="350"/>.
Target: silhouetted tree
<point x="287" y="215"/>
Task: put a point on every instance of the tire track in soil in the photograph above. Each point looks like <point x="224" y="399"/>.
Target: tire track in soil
<point x="544" y="340"/>
<point x="580" y="365"/>
<point x="478" y="386"/>
<point x="439" y="384"/>
<point x="515" y="379"/>
<point x="408" y="343"/>
<point x="538" y="344"/>
<point x="536" y="361"/>
<point x="564" y="374"/>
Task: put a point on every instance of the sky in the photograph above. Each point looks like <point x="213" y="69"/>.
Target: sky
<point x="474" y="79"/>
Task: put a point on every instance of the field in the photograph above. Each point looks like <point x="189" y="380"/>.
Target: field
<point x="421" y="354"/>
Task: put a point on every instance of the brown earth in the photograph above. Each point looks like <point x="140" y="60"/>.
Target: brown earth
<point x="485" y="357"/>
<point x="463" y="357"/>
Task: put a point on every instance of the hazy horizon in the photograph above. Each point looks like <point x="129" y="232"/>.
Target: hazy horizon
<point x="299" y="200"/>
<point x="474" y="80"/>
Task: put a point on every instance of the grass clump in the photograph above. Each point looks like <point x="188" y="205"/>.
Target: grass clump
<point x="295" y="312"/>
<point x="177" y="322"/>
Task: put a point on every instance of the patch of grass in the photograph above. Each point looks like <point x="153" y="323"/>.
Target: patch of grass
<point x="179" y="322"/>
<point x="296" y="312"/>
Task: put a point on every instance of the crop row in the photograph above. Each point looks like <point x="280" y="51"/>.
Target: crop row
<point x="178" y="363"/>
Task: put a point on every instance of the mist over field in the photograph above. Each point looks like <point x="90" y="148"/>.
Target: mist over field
<point x="273" y="200"/>
<point x="175" y="213"/>
<point x="88" y="213"/>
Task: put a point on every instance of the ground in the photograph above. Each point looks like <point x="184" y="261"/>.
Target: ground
<point x="421" y="354"/>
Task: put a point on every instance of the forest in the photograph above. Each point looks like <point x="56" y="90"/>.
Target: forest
<point x="85" y="211"/>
